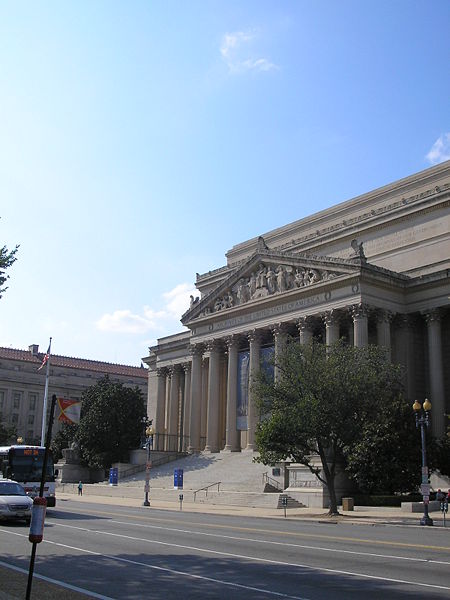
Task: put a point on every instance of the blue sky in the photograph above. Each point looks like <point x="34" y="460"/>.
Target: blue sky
<point x="139" y="141"/>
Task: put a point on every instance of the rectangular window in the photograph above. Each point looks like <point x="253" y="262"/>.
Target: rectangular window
<point x="15" y="418"/>
<point x="30" y="419"/>
<point x="17" y="396"/>
<point x="30" y="436"/>
<point x="32" y="399"/>
<point x="2" y="399"/>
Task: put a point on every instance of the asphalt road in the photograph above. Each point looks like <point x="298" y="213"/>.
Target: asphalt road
<point x="104" y="551"/>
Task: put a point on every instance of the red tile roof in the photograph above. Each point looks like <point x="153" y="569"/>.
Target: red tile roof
<point x="73" y="363"/>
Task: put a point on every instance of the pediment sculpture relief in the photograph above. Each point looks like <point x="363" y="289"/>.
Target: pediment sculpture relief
<point x="267" y="280"/>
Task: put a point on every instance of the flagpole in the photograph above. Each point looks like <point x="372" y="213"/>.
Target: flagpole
<point x="44" y="408"/>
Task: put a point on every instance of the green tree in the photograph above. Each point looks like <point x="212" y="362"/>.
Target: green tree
<point x="442" y="452"/>
<point x="386" y="456"/>
<point x="111" y="423"/>
<point x="8" y="435"/>
<point x="320" y="403"/>
<point x="62" y="439"/>
<point x="7" y="258"/>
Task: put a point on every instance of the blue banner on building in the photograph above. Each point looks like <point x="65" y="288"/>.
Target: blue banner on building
<point x="267" y="361"/>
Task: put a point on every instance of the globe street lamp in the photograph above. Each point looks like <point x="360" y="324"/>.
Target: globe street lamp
<point x="148" y="444"/>
<point x="422" y="413"/>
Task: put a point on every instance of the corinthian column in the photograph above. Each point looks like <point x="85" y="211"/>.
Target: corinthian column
<point x="212" y="423"/>
<point x="187" y="401"/>
<point x="231" y="434"/>
<point x="255" y="352"/>
<point x="331" y="320"/>
<point x="360" y="317"/>
<point x="433" y="319"/>
<point x="160" y="409"/>
<point x="405" y="352"/>
<point x="172" y="429"/>
<point x="305" y="329"/>
<point x="384" y="318"/>
<point x="279" y="337"/>
<point x="196" y="399"/>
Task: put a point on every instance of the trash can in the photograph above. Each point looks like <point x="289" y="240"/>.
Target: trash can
<point x="347" y="503"/>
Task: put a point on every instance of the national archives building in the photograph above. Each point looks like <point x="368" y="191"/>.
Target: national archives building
<point x="373" y="270"/>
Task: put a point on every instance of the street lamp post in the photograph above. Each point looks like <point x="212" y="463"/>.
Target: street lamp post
<point x="148" y="443"/>
<point x="422" y="413"/>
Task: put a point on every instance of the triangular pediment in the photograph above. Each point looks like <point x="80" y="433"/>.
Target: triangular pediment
<point x="268" y="273"/>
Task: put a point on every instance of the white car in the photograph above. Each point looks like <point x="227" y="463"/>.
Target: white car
<point x="14" y="503"/>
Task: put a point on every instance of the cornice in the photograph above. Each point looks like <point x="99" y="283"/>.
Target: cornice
<point x="346" y="227"/>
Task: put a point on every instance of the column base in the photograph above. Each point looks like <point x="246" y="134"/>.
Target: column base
<point x="229" y="449"/>
<point x="249" y="448"/>
<point x="210" y="450"/>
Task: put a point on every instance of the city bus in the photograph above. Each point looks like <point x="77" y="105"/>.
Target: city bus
<point x="24" y="465"/>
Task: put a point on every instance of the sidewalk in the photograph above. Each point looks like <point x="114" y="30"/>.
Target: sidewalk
<point x="361" y="515"/>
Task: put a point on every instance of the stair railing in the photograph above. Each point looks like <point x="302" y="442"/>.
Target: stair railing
<point x="206" y="488"/>
<point x="271" y="481"/>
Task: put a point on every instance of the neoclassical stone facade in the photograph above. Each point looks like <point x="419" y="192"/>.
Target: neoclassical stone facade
<point x="374" y="270"/>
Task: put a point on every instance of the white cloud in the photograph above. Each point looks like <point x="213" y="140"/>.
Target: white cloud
<point x="159" y="322"/>
<point x="440" y="150"/>
<point x="124" y="321"/>
<point x="178" y="299"/>
<point x="235" y="49"/>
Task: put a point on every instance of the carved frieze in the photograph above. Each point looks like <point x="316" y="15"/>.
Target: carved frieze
<point x="266" y="280"/>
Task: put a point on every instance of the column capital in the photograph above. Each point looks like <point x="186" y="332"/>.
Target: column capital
<point x="174" y="370"/>
<point x="305" y="323"/>
<point x="161" y="372"/>
<point x="196" y="349"/>
<point x="186" y="367"/>
<point x="255" y="335"/>
<point x="232" y="341"/>
<point x="213" y="345"/>
<point x="359" y="311"/>
<point x="331" y="317"/>
<point x="279" y="329"/>
<point x="404" y="320"/>
<point x="431" y="315"/>
<point x="383" y="316"/>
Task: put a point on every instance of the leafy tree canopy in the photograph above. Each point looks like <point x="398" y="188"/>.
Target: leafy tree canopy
<point x="331" y="401"/>
<point x="110" y="424"/>
<point x="62" y="439"/>
<point x="8" y="435"/>
<point x="7" y="258"/>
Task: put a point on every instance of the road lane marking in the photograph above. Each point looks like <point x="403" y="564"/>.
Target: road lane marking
<point x="288" y="544"/>
<point x="265" y="542"/>
<point x="166" y="570"/>
<point x="439" y="549"/>
<point x="246" y="557"/>
<point x="68" y="586"/>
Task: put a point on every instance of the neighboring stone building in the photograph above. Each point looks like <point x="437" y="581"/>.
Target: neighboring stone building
<point x="22" y="385"/>
<point x="375" y="269"/>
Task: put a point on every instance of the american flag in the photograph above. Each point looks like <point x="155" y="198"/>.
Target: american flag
<point x="46" y="357"/>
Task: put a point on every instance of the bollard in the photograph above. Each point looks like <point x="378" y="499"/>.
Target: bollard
<point x="180" y="498"/>
<point x="444" y="509"/>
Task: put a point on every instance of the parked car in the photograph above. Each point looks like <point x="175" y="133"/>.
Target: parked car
<point x="14" y="502"/>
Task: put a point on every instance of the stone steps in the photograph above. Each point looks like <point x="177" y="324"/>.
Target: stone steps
<point x="291" y="502"/>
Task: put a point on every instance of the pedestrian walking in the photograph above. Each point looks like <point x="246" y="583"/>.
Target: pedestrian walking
<point x="440" y="495"/>
<point x="80" y="489"/>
